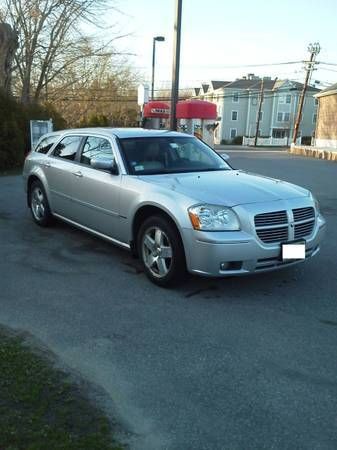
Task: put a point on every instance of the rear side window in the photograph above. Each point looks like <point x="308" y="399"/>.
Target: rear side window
<point x="68" y="147"/>
<point x="46" y="144"/>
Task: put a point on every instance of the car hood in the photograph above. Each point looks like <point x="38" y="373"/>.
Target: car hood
<point x="228" y="187"/>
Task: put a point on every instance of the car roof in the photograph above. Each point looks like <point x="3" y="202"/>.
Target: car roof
<point x="122" y="133"/>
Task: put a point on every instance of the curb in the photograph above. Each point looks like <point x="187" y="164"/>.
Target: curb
<point x="314" y="152"/>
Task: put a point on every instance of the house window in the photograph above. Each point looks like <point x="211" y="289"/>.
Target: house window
<point x="316" y="101"/>
<point x="234" y="115"/>
<point x="281" y="99"/>
<point x="254" y="100"/>
<point x="279" y="133"/>
<point x="279" y="117"/>
<point x="233" y="132"/>
<point x="261" y="116"/>
<point x="236" y="97"/>
<point x="286" y="117"/>
<point x="288" y="98"/>
<point x="314" y="118"/>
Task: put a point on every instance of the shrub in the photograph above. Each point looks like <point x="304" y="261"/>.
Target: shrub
<point x="237" y="140"/>
<point x="15" y="128"/>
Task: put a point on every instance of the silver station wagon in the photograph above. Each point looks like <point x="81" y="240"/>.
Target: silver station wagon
<point x="171" y="200"/>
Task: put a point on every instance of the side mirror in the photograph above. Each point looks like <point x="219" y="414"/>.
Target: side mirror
<point x="224" y="156"/>
<point x="105" y="163"/>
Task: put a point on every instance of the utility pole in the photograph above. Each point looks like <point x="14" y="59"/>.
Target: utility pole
<point x="259" y="112"/>
<point x="176" y="65"/>
<point x="314" y="49"/>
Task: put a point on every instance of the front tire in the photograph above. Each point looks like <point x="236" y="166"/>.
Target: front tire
<point x="39" y="205"/>
<point x="161" y="251"/>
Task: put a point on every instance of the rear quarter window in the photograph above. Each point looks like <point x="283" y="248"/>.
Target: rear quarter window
<point x="46" y="144"/>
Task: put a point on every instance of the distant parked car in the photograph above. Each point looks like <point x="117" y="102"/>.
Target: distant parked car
<point x="172" y="201"/>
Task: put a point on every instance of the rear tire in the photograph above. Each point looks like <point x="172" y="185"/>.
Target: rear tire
<point x="161" y="251"/>
<point x="39" y="205"/>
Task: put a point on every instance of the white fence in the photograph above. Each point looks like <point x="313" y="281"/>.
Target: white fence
<point x="270" y="141"/>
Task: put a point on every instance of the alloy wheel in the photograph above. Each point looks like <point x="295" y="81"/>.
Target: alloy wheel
<point x="38" y="203"/>
<point x="157" y="252"/>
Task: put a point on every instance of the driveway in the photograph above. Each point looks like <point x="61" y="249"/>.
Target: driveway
<point x="232" y="364"/>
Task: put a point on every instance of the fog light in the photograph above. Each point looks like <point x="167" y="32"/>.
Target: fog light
<point x="223" y="266"/>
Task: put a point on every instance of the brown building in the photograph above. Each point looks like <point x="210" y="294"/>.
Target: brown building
<point x="326" y="125"/>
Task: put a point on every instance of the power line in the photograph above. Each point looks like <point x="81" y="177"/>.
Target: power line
<point x="328" y="70"/>
<point x="167" y="99"/>
<point x="326" y="64"/>
<point x="233" y="66"/>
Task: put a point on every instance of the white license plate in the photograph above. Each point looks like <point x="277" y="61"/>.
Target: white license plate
<point x="293" y="251"/>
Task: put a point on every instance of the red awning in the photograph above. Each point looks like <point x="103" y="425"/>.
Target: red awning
<point x="196" y="109"/>
<point x="157" y="109"/>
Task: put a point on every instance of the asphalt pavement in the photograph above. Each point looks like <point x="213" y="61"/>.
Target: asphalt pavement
<point x="231" y="364"/>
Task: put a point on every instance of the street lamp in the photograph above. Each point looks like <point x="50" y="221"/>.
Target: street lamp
<point x="160" y="39"/>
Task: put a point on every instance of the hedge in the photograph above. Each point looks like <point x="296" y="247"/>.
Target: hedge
<point x="15" y="129"/>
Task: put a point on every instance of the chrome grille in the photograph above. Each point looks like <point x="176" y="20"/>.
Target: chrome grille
<point x="272" y="218"/>
<point x="270" y="235"/>
<point x="303" y="214"/>
<point x="304" y="229"/>
<point x="272" y="227"/>
<point x="304" y="219"/>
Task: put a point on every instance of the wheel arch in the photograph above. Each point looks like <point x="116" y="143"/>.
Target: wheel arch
<point x="33" y="177"/>
<point x="143" y="213"/>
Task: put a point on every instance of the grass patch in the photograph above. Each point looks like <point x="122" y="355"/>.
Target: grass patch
<point x="41" y="409"/>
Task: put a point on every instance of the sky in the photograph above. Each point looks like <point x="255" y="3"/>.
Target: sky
<point x="220" y="37"/>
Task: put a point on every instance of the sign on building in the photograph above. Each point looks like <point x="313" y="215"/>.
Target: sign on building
<point x="143" y="94"/>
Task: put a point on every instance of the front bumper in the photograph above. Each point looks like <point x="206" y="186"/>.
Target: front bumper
<point x="239" y="252"/>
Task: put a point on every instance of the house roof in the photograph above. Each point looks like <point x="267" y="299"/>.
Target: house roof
<point x="205" y="87"/>
<point x="250" y="84"/>
<point x="219" y="84"/>
<point x="267" y="85"/>
<point x="328" y="91"/>
<point x="255" y="84"/>
<point x="300" y="86"/>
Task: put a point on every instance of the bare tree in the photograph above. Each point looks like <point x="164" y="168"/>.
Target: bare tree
<point x="51" y="42"/>
<point x="8" y="45"/>
<point x="98" y="87"/>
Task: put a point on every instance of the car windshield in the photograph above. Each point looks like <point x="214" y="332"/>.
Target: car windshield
<point x="159" y="155"/>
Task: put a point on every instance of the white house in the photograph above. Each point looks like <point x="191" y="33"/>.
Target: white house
<point x="238" y="103"/>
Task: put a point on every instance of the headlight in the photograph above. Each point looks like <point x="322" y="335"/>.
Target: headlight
<point x="213" y="218"/>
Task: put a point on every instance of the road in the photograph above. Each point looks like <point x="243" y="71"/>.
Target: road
<point x="236" y="364"/>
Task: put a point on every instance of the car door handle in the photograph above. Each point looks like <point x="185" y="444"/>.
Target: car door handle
<point x="47" y="164"/>
<point x="78" y="174"/>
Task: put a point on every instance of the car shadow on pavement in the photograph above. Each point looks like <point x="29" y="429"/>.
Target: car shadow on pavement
<point x="89" y="254"/>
